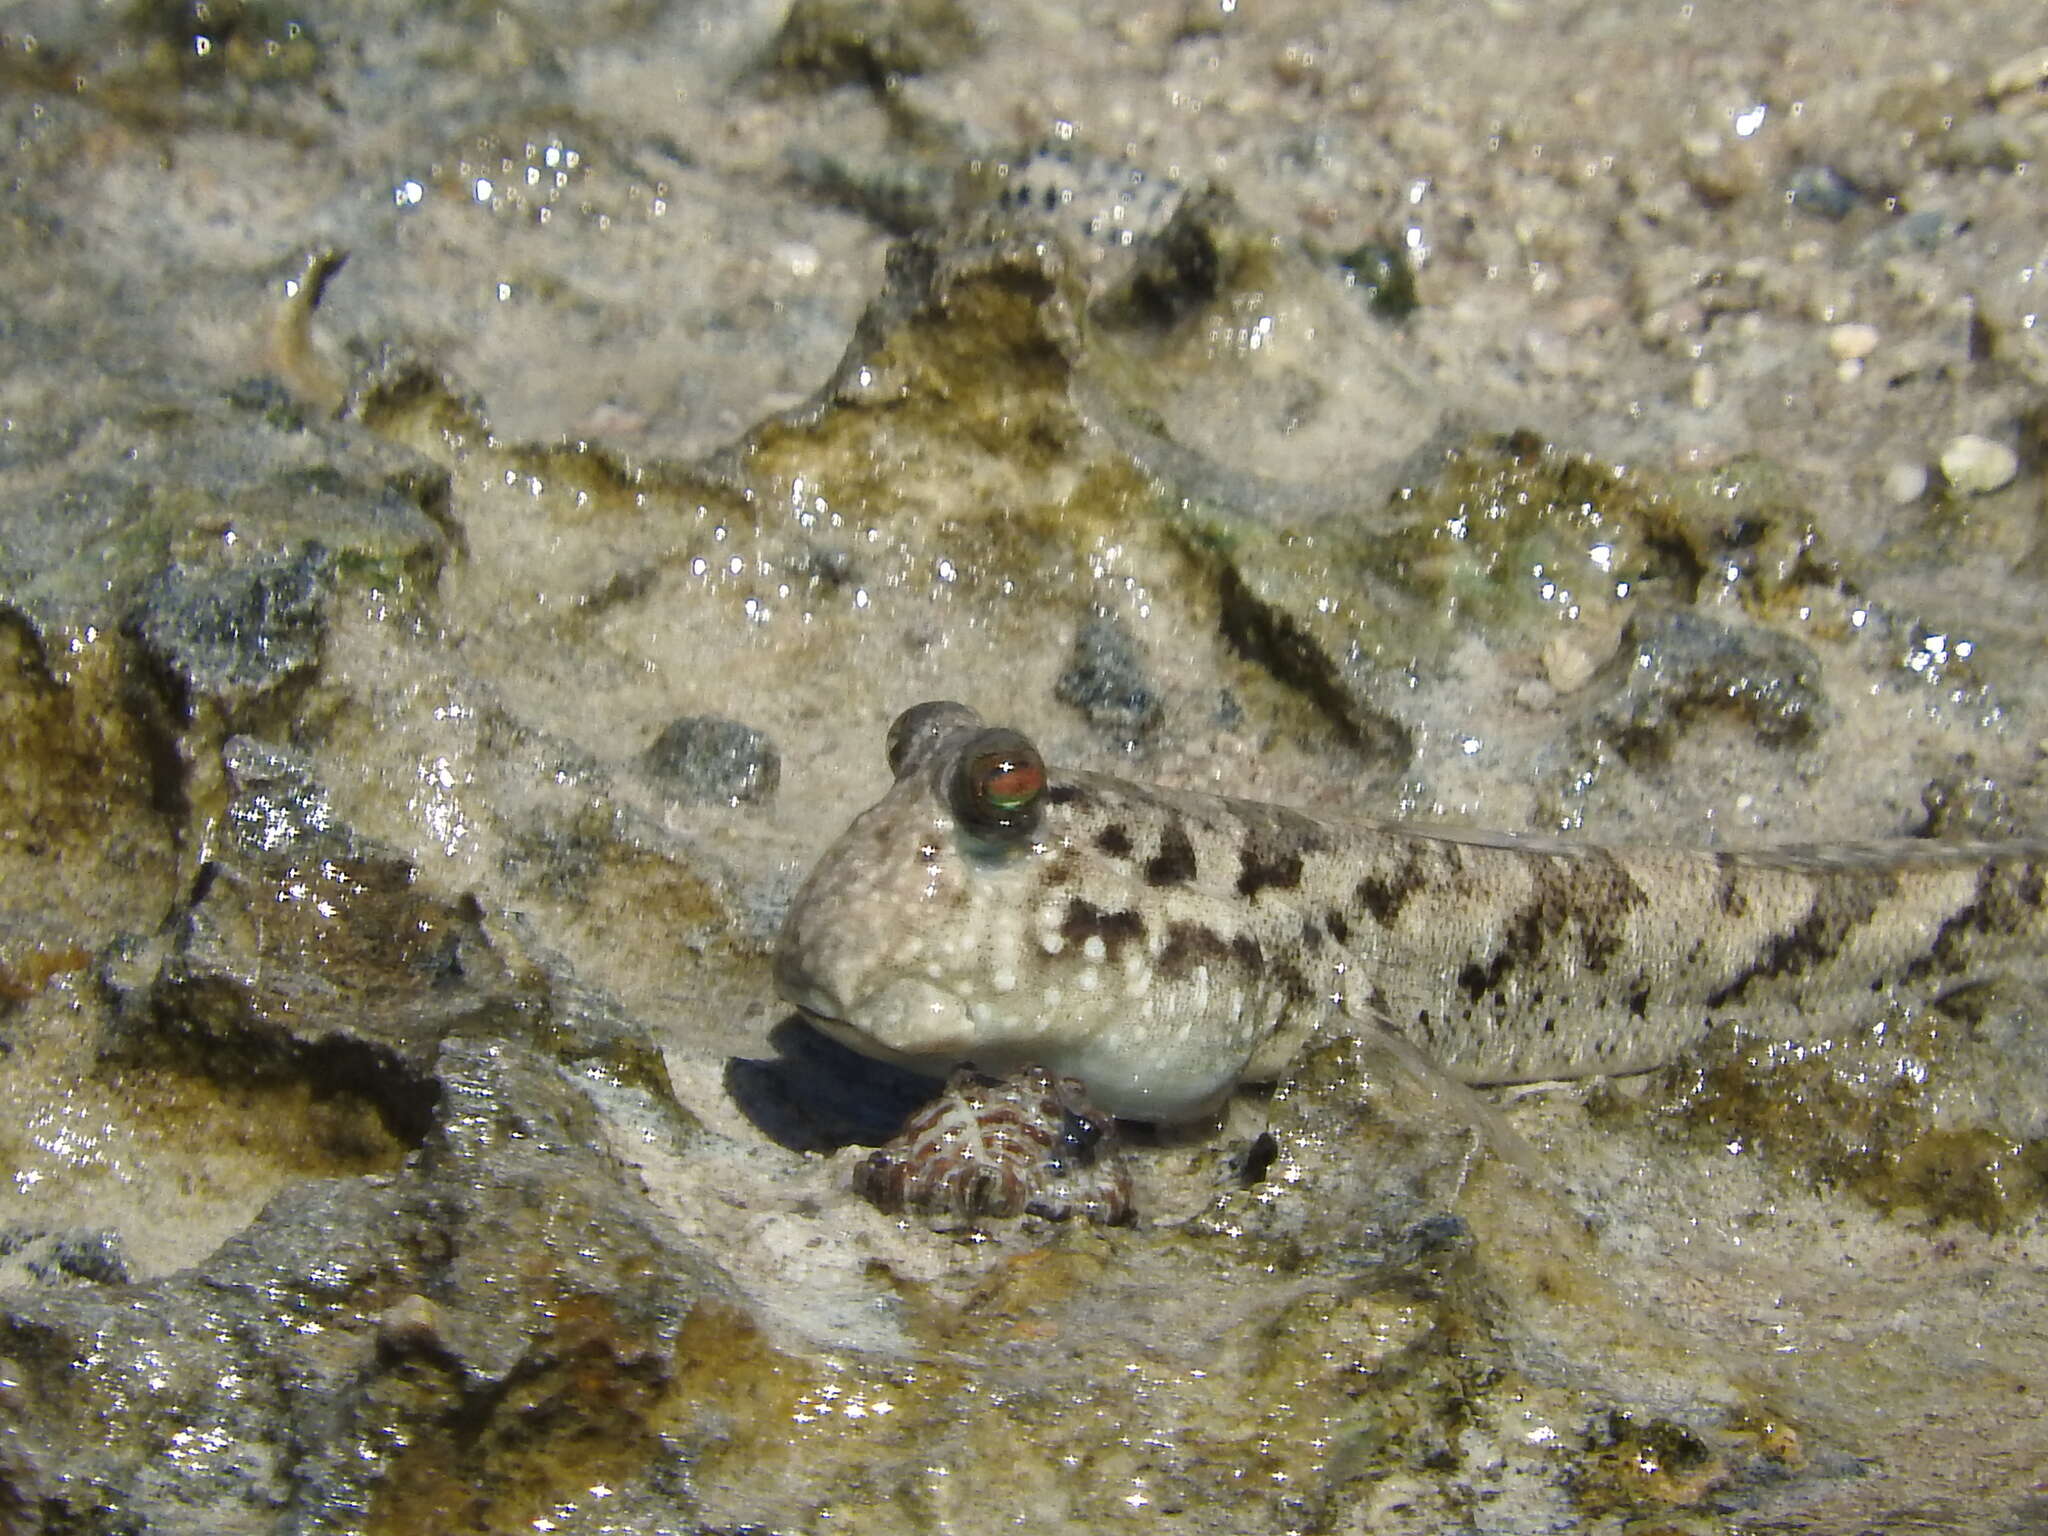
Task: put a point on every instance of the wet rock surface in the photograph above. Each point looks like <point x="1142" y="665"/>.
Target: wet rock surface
<point x="402" y="1131"/>
<point x="238" y="633"/>
<point x="456" y="1344"/>
<point x="305" y="952"/>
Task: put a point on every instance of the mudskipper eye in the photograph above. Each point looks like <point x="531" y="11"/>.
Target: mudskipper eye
<point x="998" y="783"/>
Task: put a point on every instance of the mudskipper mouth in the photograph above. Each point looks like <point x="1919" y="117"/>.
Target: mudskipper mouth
<point x="795" y="986"/>
<point x="861" y="1043"/>
<point x="808" y="1001"/>
<point x="833" y="1027"/>
<point x="818" y="1007"/>
<point x="812" y="1007"/>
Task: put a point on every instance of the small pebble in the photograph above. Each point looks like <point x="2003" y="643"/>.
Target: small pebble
<point x="1106" y="679"/>
<point x="1822" y="191"/>
<point x="1975" y="465"/>
<point x="1852" y="341"/>
<point x="1905" y="483"/>
<point x="1704" y="388"/>
<point x="708" y="759"/>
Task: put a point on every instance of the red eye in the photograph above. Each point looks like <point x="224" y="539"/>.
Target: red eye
<point x="1010" y="783"/>
<point x="997" y="783"/>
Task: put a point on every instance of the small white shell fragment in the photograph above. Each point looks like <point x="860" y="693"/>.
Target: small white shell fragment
<point x="1975" y="465"/>
<point x="1852" y="341"/>
<point x="1905" y="482"/>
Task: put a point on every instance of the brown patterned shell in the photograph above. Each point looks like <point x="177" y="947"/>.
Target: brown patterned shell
<point x="989" y="1147"/>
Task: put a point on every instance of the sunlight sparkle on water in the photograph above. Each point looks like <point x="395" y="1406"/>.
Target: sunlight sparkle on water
<point x="438" y="804"/>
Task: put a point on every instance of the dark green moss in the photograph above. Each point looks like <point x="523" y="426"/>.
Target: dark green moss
<point x="1384" y="277"/>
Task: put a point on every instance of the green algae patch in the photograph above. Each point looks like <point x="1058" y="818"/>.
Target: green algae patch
<point x="545" y="1448"/>
<point x="1508" y="541"/>
<point x="214" y="485"/>
<point x="1908" y="1119"/>
<point x="1975" y="1175"/>
<point x="1597" y="579"/>
<point x="489" y="1334"/>
<point x="964" y="358"/>
<point x="1508" y="544"/>
<point x="1513" y="539"/>
<point x="89" y="830"/>
<point x="146" y="1168"/>
<point x="397" y="395"/>
<point x="1041" y="1387"/>
<point x="315" y="1129"/>
<point x="1637" y="1462"/>
<point x="1765" y="552"/>
<point x="595" y="874"/>
<point x="164" y="580"/>
<point x="174" y="66"/>
<point x="808" y="1437"/>
<point x="224" y="42"/>
<point x="28" y="964"/>
<point x="1384" y="277"/>
<point x="1660" y="1477"/>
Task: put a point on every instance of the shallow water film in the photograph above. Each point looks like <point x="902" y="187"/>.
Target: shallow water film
<point x="476" y="485"/>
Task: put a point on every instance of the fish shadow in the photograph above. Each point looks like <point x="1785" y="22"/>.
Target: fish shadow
<point x="816" y="1095"/>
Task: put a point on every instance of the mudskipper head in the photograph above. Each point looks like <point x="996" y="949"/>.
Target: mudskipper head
<point x="891" y="940"/>
<point x="988" y="912"/>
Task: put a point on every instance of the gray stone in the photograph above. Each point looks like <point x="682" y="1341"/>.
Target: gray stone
<point x="709" y="759"/>
<point x="1823" y="192"/>
<point x="1676" y="666"/>
<point x="238" y="632"/>
<point x="89" y="1254"/>
<point x="1107" y="681"/>
<point x="205" y="518"/>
